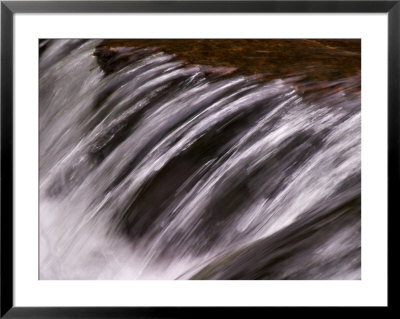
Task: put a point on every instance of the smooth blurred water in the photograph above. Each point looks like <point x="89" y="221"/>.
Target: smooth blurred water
<point x="159" y="170"/>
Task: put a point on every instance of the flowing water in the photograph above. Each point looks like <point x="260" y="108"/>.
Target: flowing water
<point x="160" y="170"/>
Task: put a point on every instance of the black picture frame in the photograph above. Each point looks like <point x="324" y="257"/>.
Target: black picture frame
<point x="9" y="8"/>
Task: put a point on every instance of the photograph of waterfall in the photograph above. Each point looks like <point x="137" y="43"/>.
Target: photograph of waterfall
<point x="200" y="159"/>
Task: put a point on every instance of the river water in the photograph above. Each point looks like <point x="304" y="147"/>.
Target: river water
<point x="161" y="170"/>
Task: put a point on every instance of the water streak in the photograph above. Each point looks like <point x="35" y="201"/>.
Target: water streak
<point x="160" y="171"/>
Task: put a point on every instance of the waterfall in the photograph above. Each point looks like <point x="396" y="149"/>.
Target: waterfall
<point x="164" y="170"/>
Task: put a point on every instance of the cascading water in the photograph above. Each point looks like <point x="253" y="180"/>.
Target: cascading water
<point x="161" y="170"/>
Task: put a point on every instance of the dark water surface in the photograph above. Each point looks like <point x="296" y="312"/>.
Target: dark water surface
<point x="201" y="159"/>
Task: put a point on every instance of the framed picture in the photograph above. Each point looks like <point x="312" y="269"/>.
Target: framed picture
<point x="184" y="158"/>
